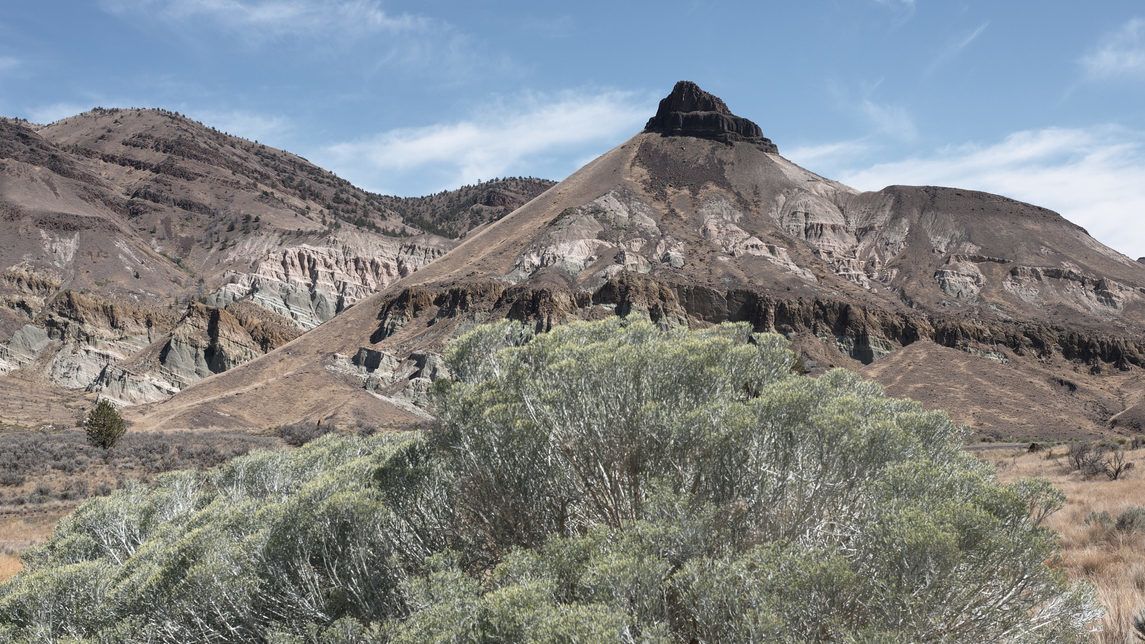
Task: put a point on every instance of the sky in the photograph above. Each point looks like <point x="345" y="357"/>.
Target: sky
<point x="1040" y="100"/>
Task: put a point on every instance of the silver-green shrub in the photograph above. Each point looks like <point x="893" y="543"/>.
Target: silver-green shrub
<point x="604" y="481"/>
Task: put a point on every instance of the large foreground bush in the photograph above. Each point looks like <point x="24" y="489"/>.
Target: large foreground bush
<point x="601" y="482"/>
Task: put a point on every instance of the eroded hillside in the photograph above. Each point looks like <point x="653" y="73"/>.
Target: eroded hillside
<point x="144" y="251"/>
<point x="699" y="220"/>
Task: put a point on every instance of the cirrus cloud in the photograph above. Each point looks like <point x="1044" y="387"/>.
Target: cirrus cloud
<point x="276" y="17"/>
<point x="531" y="134"/>
<point x="1120" y="53"/>
<point x="1093" y="176"/>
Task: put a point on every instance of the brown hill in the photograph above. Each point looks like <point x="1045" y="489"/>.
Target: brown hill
<point x="699" y="220"/>
<point x="454" y="213"/>
<point x="143" y="251"/>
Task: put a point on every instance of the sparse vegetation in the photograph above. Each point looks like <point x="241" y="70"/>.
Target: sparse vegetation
<point x="1100" y="529"/>
<point x="452" y="213"/>
<point x="299" y="434"/>
<point x="1098" y="458"/>
<point x="42" y="467"/>
<point x="601" y="482"/>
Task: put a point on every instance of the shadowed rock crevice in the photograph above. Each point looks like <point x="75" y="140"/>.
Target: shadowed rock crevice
<point x="690" y="111"/>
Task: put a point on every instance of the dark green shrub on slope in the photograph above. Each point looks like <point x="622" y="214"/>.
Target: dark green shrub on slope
<point x="104" y="425"/>
<point x="601" y="482"/>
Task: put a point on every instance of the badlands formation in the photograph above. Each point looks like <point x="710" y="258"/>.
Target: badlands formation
<point x="1005" y="314"/>
<point x="143" y="252"/>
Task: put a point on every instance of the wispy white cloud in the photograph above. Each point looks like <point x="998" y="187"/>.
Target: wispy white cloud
<point x="900" y="11"/>
<point x="9" y="63"/>
<point x="1094" y="176"/>
<point x="266" y="128"/>
<point x="314" y="18"/>
<point x="55" y="111"/>
<point x="1119" y="54"/>
<point x="894" y="121"/>
<point x="816" y="155"/>
<point x="877" y="117"/>
<point x="506" y="137"/>
<point x="376" y="40"/>
<point x="898" y="5"/>
<point x="955" y="47"/>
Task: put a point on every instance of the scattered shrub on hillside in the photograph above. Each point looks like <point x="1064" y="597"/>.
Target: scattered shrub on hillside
<point x="1115" y="464"/>
<point x="1102" y="519"/>
<point x="1098" y="458"/>
<point x="74" y="467"/>
<point x="1080" y="456"/>
<point x="1106" y="527"/>
<point x="601" y="482"/>
<point x="301" y="433"/>
<point x="1131" y="520"/>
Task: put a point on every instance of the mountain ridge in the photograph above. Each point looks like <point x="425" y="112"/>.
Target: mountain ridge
<point x="145" y="214"/>
<point x="695" y="230"/>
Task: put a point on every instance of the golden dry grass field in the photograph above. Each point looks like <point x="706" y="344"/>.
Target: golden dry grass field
<point x="9" y="565"/>
<point x="19" y="530"/>
<point x="1111" y="559"/>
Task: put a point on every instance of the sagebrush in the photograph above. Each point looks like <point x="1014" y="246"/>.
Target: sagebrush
<point x="604" y="481"/>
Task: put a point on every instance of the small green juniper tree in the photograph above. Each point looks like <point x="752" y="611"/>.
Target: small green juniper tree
<point x="104" y="425"/>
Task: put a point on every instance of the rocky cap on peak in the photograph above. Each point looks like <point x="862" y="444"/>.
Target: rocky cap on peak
<point x="690" y="111"/>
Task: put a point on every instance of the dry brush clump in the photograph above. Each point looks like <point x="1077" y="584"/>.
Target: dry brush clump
<point x="602" y="482"/>
<point x="1100" y="458"/>
<point x="302" y="432"/>
<point x="38" y="467"/>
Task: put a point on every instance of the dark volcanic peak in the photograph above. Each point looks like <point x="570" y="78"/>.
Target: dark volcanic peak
<point x="690" y="111"/>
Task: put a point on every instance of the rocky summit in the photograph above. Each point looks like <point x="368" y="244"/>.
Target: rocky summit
<point x="1005" y="314"/>
<point x="690" y="111"/>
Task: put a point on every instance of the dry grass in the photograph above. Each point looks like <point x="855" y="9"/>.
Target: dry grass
<point x="28" y="526"/>
<point x="1112" y="560"/>
<point x="18" y="530"/>
<point x="9" y="566"/>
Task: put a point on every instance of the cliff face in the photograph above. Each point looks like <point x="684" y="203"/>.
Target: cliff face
<point x="690" y="111"/>
<point x="696" y="221"/>
<point x="310" y="284"/>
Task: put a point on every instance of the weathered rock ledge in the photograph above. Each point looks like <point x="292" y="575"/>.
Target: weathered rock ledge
<point x="690" y="111"/>
<point x="864" y="333"/>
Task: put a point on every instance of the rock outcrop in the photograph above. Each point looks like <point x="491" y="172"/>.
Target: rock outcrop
<point x="311" y="283"/>
<point x="690" y="111"/>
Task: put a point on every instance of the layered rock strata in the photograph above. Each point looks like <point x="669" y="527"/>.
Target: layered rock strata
<point x="690" y="111"/>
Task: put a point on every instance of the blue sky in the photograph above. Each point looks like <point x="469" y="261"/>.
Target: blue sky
<point x="1040" y="100"/>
